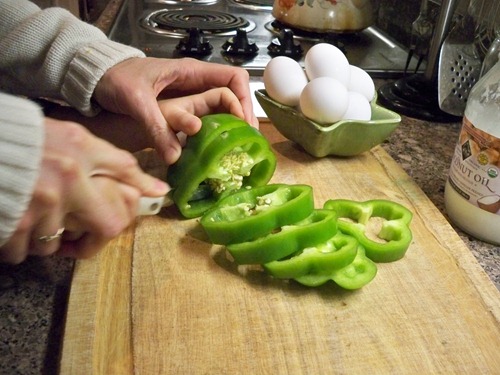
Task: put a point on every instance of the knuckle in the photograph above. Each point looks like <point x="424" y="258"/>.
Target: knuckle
<point x="25" y="225"/>
<point x="136" y="95"/>
<point x="128" y="160"/>
<point x="65" y="166"/>
<point x="76" y="135"/>
<point x="243" y="72"/>
<point x="68" y="168"/>
<point x="47" y="198"/>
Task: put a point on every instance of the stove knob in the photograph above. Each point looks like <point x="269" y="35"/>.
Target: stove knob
<point x="284" y="46"/>
<point x="194" y="44"/>
<point x="239" y="45"/>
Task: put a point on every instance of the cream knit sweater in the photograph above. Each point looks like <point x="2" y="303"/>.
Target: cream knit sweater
<point x="43" y="53"/>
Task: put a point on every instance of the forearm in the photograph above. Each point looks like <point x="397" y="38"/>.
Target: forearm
<point x="51" y="53"/>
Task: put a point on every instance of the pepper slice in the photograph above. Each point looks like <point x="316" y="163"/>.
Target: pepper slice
<point x="355" y="275"/>
<point x="337" y="252"/>
<point x="252" y="213"/>
<point x="315" y="229"/>
<point x="227" y="154"/>
<point x="380" y="226"/>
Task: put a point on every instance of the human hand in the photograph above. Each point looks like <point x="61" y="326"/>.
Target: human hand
<point x="85" y="185"/>
<point x="183" y="113"/>
<point x="133" y="86"/>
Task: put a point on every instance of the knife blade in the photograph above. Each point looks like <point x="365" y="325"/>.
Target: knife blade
<point x="153" y="205"/>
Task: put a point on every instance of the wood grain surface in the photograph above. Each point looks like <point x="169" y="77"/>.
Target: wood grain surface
<point x="160" y="299"/>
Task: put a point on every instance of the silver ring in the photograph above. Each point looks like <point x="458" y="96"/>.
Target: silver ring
<point x="52" y="237"/>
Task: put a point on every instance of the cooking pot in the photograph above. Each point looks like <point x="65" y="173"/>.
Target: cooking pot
<point x="324" y="15"/>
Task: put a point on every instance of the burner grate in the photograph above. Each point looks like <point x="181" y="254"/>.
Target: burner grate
<point x="177" y="21"/>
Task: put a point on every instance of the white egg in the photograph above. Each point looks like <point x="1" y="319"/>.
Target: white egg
<point x="360" y="81"/>
<point x="284" y="80"/>
<point x="326" y="60"/>
<point x="324" y="100"/>
<point x="358" y="108"/>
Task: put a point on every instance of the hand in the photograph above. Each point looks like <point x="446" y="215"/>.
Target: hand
<point x="133" y="86"/>
<point x="85" y="185"/>
<point x="183" y="113"/>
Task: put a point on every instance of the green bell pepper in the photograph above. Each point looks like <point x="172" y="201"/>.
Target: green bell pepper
<point x="226" y="155"/>
<point x="252" y="213"/>
<point x="355" y="275"/>
<point x="337" y="252"/>
<point x="380" y="226"/>
<point x="313" y="230"/>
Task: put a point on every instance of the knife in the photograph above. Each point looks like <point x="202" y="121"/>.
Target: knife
<point x="153" y="205"/>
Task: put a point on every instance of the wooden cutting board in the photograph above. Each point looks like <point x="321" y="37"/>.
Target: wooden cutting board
<point x="160" y="299"/>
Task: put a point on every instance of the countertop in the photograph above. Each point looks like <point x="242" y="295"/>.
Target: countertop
<point x="33" y="295"/>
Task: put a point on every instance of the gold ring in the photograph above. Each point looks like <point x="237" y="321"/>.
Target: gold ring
<point x="52" y="237"/>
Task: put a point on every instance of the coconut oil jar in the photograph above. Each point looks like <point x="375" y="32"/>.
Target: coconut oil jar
<point x="472" y="192"/>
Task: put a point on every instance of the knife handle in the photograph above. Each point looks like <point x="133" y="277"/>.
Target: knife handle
<point x="150" y="205"/>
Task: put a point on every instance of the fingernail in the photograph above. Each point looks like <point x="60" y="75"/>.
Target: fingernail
<point x="161" y="186"/>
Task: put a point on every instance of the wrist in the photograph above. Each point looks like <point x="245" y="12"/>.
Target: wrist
<point x="87" y="68"/>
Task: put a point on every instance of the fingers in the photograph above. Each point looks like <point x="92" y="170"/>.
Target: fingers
<point x="95" y="156"/>
<point x="83" y="247"/>
<point x="33" y="236"/>
<point x="16" y="249"/>
<point x="123" y="166"/>
<point x="94" y="196"/>
<point x="112" y="208"/>
<point x="164" y="138"/>
<point x="112" y="214"/>
<point x="218" y="100"/>
<point x="46" y="238"/>
<point x="198" y="76"/>
<point x="133" y="86"/>
<point x="182" y="114"/>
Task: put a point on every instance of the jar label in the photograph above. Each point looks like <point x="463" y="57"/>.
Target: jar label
<point x="474" y="170"/>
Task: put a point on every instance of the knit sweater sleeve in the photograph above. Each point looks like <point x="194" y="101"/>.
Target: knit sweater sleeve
<point x="50" y="53"/>
<point x="21" y="143"/>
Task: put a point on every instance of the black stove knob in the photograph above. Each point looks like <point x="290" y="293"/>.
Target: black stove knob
<point x="285" y="45"/>
<point x="239" y="45"/>
<point x="195" y="44"/>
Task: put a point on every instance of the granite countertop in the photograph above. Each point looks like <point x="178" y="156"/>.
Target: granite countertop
<point x="34" y="294"/>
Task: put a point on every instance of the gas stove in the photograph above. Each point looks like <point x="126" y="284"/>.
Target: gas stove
<point x="242" y="33"/>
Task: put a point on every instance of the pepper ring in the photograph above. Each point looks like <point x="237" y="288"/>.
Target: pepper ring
<point x="52" y="237"/>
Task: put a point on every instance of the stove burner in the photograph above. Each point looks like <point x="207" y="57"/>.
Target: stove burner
<point x="176" y="22"/>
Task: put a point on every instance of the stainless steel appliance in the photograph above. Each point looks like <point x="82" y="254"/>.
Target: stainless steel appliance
<point x="242" y="33"/>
